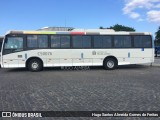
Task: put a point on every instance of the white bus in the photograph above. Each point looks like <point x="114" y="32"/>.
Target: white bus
<point x="37" y="49"/>
<point x="1" y="40"/>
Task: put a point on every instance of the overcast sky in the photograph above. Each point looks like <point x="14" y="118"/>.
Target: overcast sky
<point x="143" y="15"/>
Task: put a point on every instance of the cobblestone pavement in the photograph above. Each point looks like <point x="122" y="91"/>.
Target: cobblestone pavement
<point x="157" y="60"/>
<point x="128" y="88"/>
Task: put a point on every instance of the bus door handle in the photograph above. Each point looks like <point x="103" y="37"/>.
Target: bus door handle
<point x="81" y="55"/>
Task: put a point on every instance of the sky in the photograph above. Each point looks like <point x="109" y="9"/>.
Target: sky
<point x="143" y="15"/>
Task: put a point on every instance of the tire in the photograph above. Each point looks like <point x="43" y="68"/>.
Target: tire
<point x="110" y="64"/>
<point x="35" y="65"/>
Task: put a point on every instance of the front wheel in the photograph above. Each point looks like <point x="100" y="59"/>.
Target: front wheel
<point x="110" y="64"/>
<point x="35" y="65"/>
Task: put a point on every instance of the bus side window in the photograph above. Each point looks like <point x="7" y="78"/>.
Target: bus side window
<point x="32" y="41"/>
<point x="42" y="41"/>
<point x="98" y="41"/>
<point x="55" y="41"/>
<point x="86" y="43"/>
<point x="81" y="41"/>
<point x="77" y="41"/>
<point x="107" y="41"/>
<point x="121" y="41"/>
<point x="65" y="42"/>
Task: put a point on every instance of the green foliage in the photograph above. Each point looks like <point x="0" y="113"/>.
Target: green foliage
<point x="158" y="34"/>
<point x="101" y="27"/>
<point x="118" y="27"/>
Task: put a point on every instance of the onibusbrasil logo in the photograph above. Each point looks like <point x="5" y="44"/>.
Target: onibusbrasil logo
<point x="76" y="68"/>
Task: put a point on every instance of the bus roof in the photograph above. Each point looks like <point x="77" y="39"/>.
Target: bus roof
<point x="81" y="32"/>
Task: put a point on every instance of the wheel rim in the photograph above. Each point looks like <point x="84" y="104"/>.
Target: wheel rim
<point x="110" y="64"/>
<point x="35" y="65"/>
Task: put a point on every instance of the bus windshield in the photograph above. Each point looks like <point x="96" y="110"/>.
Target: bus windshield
<point x="13" y="44"/>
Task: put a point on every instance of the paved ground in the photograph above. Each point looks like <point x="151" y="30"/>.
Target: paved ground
<point x="129" y="88"/>
<point x="157" y="60"/>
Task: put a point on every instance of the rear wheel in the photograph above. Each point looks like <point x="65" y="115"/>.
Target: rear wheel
<point x="35" y="65"/>
<point x="110" y="64"/>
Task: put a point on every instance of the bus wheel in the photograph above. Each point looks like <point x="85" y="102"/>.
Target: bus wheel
<point x="35" y="65"/>
<point x="110" y="64"/>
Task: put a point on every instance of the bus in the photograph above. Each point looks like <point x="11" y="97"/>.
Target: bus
<point x="93" y="47"/>
<point x="1" y="40"/>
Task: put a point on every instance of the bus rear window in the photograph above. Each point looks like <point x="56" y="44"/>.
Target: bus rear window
<point x="142" y="41"/>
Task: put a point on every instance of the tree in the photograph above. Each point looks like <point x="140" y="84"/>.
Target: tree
<point x="118" y="27"/>
<point x="158" y="36"/>
<point x="101" y="27"/>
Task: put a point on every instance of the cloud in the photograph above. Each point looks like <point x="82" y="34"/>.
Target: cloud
<point x="153" y="16"/>
<point x="140" y="19"/>
<point x="151" y="8"/>
<point x="134" y="15"/>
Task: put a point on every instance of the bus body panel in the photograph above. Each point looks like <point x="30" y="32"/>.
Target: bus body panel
<point x="78" y="57"/>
